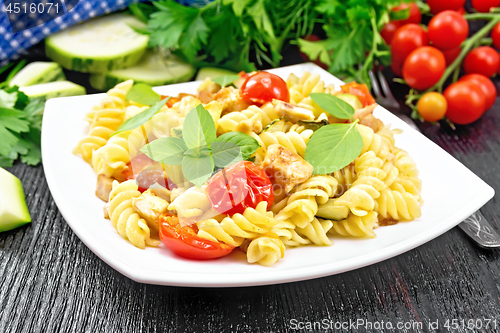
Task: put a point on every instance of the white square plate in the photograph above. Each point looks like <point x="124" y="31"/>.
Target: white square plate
<point x="451" y="193"/>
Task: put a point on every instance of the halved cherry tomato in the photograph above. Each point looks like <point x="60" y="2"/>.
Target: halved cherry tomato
<point x="147" y="172"/>
<point x="183" y="241"/>
<point x="424" y="67"/>
<point x="484" y="6"/>
<point x="360" y="90"/>
<point x="406" y="40"/>
<point x="389" y="30"/>
<point x="482" y="60"/>
<point x="263" y="87"/>
<point x="438" y="6"/>
<point x="432" y="106"/>
<point x="495" y="35"/>
<point x="447" y="30"/>
<point x="486" y="85"/>
<point x="465" y="102"/>
<point x="415" y="15"/>
<point x="239" y="186"/>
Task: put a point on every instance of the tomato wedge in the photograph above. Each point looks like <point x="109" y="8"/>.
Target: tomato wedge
<point x="360" y="90"/>
<point x="184" y="242"/>
<point x="239" y="186"/>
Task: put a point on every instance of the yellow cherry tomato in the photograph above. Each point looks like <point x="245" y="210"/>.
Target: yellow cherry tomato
<point x="432" y="106"/>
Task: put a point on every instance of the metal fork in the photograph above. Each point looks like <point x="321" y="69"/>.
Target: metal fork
<point x="475" y="226"/>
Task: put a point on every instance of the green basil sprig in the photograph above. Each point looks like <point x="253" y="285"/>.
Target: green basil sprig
<point x="141" y="118"/>
<point x="143" y="94"/>
<point x="333" y="105"/>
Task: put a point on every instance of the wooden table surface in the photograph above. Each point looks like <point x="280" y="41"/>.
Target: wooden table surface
<point x="51" y="282"/>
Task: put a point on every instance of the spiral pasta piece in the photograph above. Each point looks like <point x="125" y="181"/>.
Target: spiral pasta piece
<point x="316" y="232"/>
<point x="111" y="159"/>
<point x="253" y="119"/>
<point x="398" y="206"/>
<point x="234" y="230"/>
<point x="356" y="226"/>
<point x="125" y="219"/>
<point x="404" y="163"/>
<point x="265" y="250"/>
<point x="104" y="119"/>
<point x="345" y="177"/>
<point x="374" y="142"/>
<point x="302" y="205"/>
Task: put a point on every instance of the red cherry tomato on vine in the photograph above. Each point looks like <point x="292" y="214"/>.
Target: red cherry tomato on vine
<point x="438" y="6"/>
<point x="451" y="55"/>
<point x="397" y="67"/>
<point x="461" y="11"/>
<point x="482" y="60"/>
<point x="415" y="15"/>
<point x="484" y="6"/>
<point x="185" y="242"/>
<point x="239" y="186"/>
<point x="486" y="85"/>
<point x="424" y="67"/>
<point x="447" y="30"/>
<point x="406" y="39"/>
<point x="263" y="87"/>
<point x="465" y="102"/>
<point x="389" y="30"/>
<point x="360" y="90"/>
<point x="495" y="35"/>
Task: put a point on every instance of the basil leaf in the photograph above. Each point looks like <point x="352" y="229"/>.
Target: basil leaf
<point x="141" y="118"/>
<point x="247" y="144"/>
<point x="168" y="150"/>
<point x="332" y="147"/>
<point x="199" y="128"/>
<point x="225" y="154"/>
<point x="333" y="105"/>
<point x="225" y="80"/>
<point x="198" y="166"/>
<point x="143" y="94"/>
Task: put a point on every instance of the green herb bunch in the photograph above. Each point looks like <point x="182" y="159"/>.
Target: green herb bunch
<point x="20" y="123"/>
<point x="227" y="33"/>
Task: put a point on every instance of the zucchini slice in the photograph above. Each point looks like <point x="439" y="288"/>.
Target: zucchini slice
<point x="53" y="89"/>
<point x="153" y="69"/>
<point x="100" y="45"/>
<point x="38" y="72"/>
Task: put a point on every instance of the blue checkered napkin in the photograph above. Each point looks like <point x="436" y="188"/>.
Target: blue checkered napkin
<point x="31" y="23"/>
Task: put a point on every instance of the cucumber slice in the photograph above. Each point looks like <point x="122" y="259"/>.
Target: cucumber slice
<point x="352" y="100"/>
<point x="99" y="45"/>
<point x="212" y="72"/>
<point x="38" y="72"/>
<point x="53" y="89"/>
<point x="13" y="210"/>
<point x="153" y="69"/>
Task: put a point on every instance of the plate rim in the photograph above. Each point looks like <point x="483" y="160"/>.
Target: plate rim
<point x="257" y="278"/>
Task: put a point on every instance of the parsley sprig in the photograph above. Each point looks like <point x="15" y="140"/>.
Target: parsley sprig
<point x="200" y="150"/>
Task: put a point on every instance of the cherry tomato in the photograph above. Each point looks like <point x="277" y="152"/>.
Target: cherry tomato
<point x="239" y="186"/>
<point x="183" y="240"/>
<point x="406" y="39"/>
<point x="415" y="15"/>
<point x="461" y="11"/>
<point x="432" y="106"/>
<point x="360" y="91"/>
<point x="389" y="30"/>
<point x="397" y="67"/>
<point x="447" y="30"/>
<point x="147" y="172"/>
<point x="264" y="87"/>
<point x="487" y="87"/>
<point x="482" y="60"/>
<point x="484" y="5"/>
<point x="438" y="6"/>
<point x="465" y="102"/>
<point x="424" y="67"/>
<point x="495" y="36"/>
<point x="451" y="55"/>
<point x="313" y="38"/>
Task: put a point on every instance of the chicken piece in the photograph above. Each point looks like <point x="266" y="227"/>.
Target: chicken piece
<point x="191" y="204"/>
<point x="230" y="99"/>
<point x="366" y="117"/>
<point x="105" y="210"/>
<point x="150" y="207"/>
<point x="286" y="168"/>
<point x="293" y="112"/>
<point x="103" y="187"/>
<point x="161" y="191"/>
